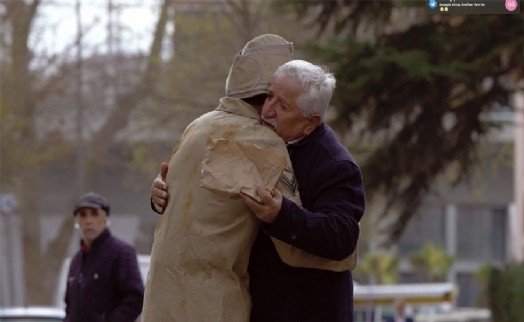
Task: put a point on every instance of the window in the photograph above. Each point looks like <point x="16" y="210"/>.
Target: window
<point x="481" y="233"/>
<point x="427" y="226"/>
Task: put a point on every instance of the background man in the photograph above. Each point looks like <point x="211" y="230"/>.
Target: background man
<point x="399" y="314"/>
<point x="104" y="282"/>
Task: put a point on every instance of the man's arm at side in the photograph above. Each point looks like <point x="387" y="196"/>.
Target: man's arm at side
<point x="130" y="285"/>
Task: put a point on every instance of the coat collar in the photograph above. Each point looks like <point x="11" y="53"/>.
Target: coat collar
<point x="318" y="132"/>
<point x="97" y="242"/>
<point x="239" y="107"/>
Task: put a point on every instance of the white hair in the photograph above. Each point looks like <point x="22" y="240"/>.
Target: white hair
<point x="316" y="81"/>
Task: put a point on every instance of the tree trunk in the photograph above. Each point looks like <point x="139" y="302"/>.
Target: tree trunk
<point x="41" y="266"/>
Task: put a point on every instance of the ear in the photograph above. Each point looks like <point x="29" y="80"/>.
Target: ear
<point x="313" y="122"/>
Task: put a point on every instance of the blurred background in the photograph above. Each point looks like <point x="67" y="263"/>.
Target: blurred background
<point x="95" y="94"/>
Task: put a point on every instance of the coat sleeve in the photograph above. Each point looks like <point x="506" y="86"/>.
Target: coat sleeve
<point x="329" y="227"/>
<point x="67" y="297"/>
<point x="71" y="287"/>
<point x="130" y="286"/>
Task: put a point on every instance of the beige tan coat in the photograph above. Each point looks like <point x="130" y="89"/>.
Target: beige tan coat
<point x="202" y="242"/>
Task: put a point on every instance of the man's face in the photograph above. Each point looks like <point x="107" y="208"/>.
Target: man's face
<point x="92" y="223"/>
<point x="282" y="113"/>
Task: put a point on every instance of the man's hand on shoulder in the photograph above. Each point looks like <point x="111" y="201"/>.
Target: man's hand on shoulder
<point x="159" y="190"/>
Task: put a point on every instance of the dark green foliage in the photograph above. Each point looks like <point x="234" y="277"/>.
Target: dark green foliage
<point x="506" y="293"/>
<point x="341" y="14"/>
<point x="417" y="94"/>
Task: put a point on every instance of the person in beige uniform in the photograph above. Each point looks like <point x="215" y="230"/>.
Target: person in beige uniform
<point x="202" y="243"/>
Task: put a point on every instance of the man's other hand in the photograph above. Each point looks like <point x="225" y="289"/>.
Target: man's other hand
<point x="268" y="209"/>
<point x="159" y="194"/>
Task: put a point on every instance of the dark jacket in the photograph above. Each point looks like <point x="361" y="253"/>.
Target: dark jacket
<point x="104" y="284"/>
<point x="332" y="194"/>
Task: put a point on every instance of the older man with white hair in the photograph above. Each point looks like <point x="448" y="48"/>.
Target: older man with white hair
<point x="327" y="222"/>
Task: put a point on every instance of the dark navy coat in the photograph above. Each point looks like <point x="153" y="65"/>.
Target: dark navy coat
<point x="332" y="195"/>
<point x="104" y="284"/>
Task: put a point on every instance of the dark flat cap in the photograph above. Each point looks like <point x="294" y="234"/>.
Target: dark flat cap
<point x="92" y="200"/>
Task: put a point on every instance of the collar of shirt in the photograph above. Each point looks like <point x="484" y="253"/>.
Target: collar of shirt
<point x="96" y="243"/>
<point x="308" y="138"/>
